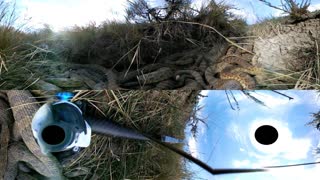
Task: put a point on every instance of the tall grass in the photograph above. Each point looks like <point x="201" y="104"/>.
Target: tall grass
<point x="113" y="44"/>
<point x="7" y="20"/>
<point x="154" y="112"/>
<point x="122" y="46"/>
<point x="21" y="53"/>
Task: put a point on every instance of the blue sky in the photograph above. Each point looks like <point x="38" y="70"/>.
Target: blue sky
<point x="254" y="10"/>
<point x="228" y="141"/>
<point x="62" y="14"/>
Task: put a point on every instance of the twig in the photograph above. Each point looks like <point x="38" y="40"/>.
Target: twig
<point x="292" y="165"/>
<point x="317" y="62"/>
<point x="235" y="100"/>
<point x="210" y="27"/>
<point x="229" y="100"/>
<point x="290" y="98"/>
<point x="273" y="6"/>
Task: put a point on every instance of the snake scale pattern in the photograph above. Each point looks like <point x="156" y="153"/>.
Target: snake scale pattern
<point x="23" y="150"/>
<point x="217" y="67"/>
<point x="4" y="133"/>
<point x="229" y="70"/>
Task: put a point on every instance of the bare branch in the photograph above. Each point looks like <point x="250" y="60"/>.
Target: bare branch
<point x="292" y="7"/>
<point x="273" y="6"/>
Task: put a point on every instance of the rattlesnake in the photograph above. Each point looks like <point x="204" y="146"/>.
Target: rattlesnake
<point x="199" y="68"/>
<point x="231" y="72"/>
<point x="4" y="133"/>
<point x="189" y="69"/>
<point x="23" y="108"/>
<point x="167" y="72"/>
<point x="76" y="76"/>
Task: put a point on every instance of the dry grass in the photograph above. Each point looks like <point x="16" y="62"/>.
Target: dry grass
<point x="296" y="11"/>
<point x="128" y="46"/>
<point x="115" y="44"/>
<point x="122" y="46"/>
<point x="302" y="71"/>
<point x="305" y="79"/>
<point x="20" y="67"/>
<point x="20" y="55"/>
<point x="154" y="112"/>
<point x="263" y="27"/>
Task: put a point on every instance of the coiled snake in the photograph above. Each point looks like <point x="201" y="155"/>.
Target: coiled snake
<point x="4" y="133"/>
<point x="231" y="68"/>
<point x="231" y="71"/>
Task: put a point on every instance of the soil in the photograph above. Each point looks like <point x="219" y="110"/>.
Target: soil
<point x="286" y="48"/>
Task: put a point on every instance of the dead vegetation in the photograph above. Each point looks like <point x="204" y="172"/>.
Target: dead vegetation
<point x="316" y="120"/>
<point x="154" y="112"/>
<point x="287" y="47"/>
<point x="151" y="35"/>
<point x="296" y="11"/>
<point x="20" y="53"/>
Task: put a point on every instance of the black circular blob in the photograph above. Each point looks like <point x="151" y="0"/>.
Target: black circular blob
<point x="266" y="135"/>
<point x="53" y="135"/>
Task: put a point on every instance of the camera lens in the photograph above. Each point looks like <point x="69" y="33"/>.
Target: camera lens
<point x="266" y="135"/>
<point x="53" y="135"/>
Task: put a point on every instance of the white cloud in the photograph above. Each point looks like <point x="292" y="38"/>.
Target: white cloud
<point x="68" y="13"/>
<point x="242" y="13"/>
<point x="279" y="13"/>
<point x="275" y="105"/>
<point x="299" y="172"/>
<point x="203" y="97"/>
<point x="237" y="133"/>
<point x="238" y="164"/>
<point x="250" y="17"/>
<point x="265" y="161"/>
<point x="290" y="147"/>
<point x="313" y="98"/>
<point x="193" y="147"/>
<point x="286" y="147"/>
<point x="314" y="7"/>
<point x="197" y="4"/>
<point x="154" y="3"/>
<point x="202" y="129"/>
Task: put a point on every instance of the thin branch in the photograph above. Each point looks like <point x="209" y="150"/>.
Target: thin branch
<point x="290" y="98"/>
<point x="273" y="6"/>
<point x="235" y="100"/>
<point x="247" y="93"/>
<point x="229" y="100"/>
